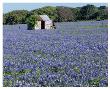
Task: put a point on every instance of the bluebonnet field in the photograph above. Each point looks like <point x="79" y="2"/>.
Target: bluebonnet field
<point x="73" y="55"/>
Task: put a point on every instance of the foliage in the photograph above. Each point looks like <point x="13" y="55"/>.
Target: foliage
<point x="48" y="10"/>
<point x="65" y="14"/>
<point x="15" y="17"/>
<point x="31" y="21"/>
<point x="87" y="11"/>
<point x="59" y="14"/>
<point x="94" y="82"/>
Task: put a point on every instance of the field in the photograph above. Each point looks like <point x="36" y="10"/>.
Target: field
<point x="73" y="55"/>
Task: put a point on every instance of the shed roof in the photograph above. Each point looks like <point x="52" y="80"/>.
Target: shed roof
<point x="44" y="17"/>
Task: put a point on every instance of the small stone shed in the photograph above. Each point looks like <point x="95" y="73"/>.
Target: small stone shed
<point x="44" y="22"/>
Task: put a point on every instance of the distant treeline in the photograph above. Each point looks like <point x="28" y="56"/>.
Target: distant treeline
<point x="58" y="14"/>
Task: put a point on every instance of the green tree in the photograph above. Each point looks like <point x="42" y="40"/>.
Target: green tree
<point x="58" y="14"/>
<point x="87" y="11"/>
<point x="31" y="21"/>
<point x="19" y="17"/>
<point x="11" y="19"/>
<point x="4" y="19"/>
<point x="101" y="14"/>
<point x="65" y="14"/>
<point x="48" y="10"/>
<point x="75" y="12"/>
<point x="102" y="7"/>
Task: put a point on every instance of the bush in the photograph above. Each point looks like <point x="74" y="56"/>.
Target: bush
<point x="31" y="21"/>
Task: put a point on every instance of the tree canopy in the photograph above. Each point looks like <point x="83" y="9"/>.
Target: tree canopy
<point x="15" y="17"/>
<point x="58" y="14"/>
<point x="31" y="21"/>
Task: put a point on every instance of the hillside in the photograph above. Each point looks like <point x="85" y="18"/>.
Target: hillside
<point x="58" y="14"/>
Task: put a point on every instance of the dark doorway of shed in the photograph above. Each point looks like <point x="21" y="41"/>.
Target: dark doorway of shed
<point x="42" y="24"/>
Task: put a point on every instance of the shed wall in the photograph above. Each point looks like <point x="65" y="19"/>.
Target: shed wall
<point x="38" y="25"/>
<point x="48" y="24"/>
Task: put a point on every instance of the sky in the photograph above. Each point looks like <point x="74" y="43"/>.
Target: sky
<point x="7" y="7"/>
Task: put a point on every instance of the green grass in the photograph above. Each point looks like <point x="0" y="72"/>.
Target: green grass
<point x="7" y="73"/>
<point x="15" y="73"/>
<point x="38" y="72"/>
<point x="7" y="83"/>
<point x="43" y="54"/>
<point x="76" y="69"/>
<point x="8" y="57"/>
<point x="92" y="27"/>
<point x="39" y="52"/>
<point x="94" y="82"/>
<point x="24" y="71"/>
<point x="55" y="69"/>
